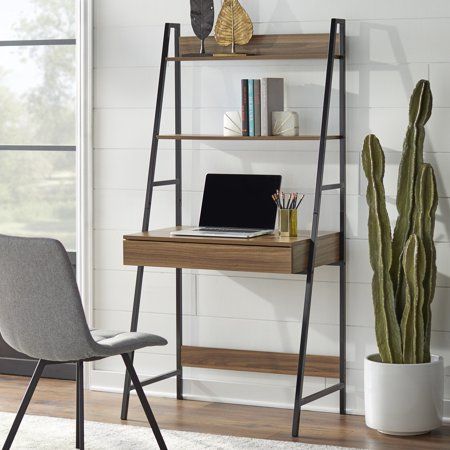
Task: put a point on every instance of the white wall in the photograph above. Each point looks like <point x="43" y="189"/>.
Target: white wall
<point x="391" y="45"/>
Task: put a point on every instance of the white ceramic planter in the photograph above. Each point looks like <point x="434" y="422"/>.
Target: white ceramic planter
<point x="403" y="399"/>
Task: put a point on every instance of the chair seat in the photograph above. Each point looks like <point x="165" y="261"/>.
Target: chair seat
<point x="118" y="342"/>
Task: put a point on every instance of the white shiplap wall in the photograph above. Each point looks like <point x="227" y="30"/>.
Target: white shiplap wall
<point x="391" y="45"/>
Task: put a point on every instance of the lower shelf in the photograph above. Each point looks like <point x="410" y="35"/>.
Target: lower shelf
<point x="256" y="361"/>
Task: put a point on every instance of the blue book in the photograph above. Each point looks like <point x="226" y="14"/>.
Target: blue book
<point x="251" y="108"/>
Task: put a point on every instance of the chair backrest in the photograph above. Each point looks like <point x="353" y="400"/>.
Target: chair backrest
<point x="41" y="313"/>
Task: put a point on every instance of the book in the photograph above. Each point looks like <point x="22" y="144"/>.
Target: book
<point x="251" y="108"/>
<point x="272" y="99"/>
<point x="257" y="106"/>
<point x="244" y="88"/>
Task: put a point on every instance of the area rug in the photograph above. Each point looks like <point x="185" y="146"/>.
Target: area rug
<point x="39" y="432"/>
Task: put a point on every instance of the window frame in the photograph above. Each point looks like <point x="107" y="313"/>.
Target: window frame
<point x="33" y="43"/>
<point x="81" y="258"/>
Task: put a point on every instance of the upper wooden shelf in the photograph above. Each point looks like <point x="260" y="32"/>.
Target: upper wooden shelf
<point x="264" y="46"/>
<point x="219" y="137"/>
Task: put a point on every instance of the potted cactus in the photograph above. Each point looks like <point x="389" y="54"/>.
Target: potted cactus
<point x="404" y="382"/>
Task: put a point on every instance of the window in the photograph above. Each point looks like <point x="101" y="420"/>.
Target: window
<point x="38" y="119"/>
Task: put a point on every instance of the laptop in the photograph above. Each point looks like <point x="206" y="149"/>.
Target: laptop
<point x="236" y="206"/>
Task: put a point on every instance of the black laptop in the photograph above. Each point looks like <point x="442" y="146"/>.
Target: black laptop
<point x="237" y="206"/>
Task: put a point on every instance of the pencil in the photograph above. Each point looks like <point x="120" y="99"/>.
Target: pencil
<point x="301" y="199"/>
<point x="294" y="200"/>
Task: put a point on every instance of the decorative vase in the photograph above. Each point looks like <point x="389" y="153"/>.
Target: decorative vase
<point x="284" y="123"/>
<point x="232" y="123"/>
<point x="403" y="399"/>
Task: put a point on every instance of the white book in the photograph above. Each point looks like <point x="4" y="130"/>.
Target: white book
<point x="272" y="99"/>
<point x="264" y="122"/>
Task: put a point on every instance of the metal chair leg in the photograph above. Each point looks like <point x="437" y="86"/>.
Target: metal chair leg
<point x="24" y="405"/>
<point x="80" y="407"/>
<point x="145" y="405"/>
<point x="126" y="392"/>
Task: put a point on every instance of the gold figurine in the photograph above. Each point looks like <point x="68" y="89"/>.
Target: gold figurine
<point x="233" y="26"/>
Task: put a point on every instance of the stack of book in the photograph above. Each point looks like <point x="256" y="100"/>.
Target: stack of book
<point x="259" y="99"/>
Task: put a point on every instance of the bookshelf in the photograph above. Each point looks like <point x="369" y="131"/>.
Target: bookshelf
<point x="263" y="254"/>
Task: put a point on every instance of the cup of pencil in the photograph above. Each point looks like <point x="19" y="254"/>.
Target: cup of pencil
<point x="287" y="204"/>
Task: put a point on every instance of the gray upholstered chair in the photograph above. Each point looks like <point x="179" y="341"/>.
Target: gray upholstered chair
<point x="41" y="315"/>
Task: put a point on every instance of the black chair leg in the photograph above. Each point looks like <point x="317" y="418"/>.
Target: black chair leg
<point x="145" y="405"/>
<point x="80" y="406"/>
<point x="24" y="405"/>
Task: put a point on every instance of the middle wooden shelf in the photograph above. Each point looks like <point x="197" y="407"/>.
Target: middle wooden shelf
<point x="218" y="137"/>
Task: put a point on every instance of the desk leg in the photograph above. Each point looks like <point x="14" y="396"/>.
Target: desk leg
<point x="315" y="228"/>
<point x="342" y="339"/>
<point x="302" y="354"/>
<point x="179" y="325"/>
<point x="342" y="176"/>
<point x="148" y="199"/>
<point x="178" y="212"/>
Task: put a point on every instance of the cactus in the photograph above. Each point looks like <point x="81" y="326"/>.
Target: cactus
<point x="387" y="327"/>
<point x="419" y="112"/>
<point x="404" y="267"/>
<point x="423" y="227"/>
<point x="412" y="323"/>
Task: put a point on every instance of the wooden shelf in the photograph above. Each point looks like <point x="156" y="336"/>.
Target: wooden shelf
<point x="258" y="361"/>
<point x="244" y="58"/>
<point x="260" y="47"/>
<point x="219" y="137"/>
<point x="269" y="254"/>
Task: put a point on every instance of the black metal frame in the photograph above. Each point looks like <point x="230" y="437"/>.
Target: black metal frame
<point x="299" y="400"/>
<point x="151" y="183"/>
<point x="80" y="403"/>
<point x="320" y="187"/>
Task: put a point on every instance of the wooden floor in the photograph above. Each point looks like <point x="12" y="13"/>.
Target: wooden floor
<point x="57" y="398"/>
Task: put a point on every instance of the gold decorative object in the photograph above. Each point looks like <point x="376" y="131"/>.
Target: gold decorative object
<point x="233" y="25"/>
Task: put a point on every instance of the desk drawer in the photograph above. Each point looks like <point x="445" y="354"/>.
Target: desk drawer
<point x="248" y="258"/>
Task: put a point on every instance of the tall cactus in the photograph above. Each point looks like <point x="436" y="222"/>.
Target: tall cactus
<point x="404" y="268"/>
<point x="420" y="107"/>
<point x="387" y="328"/>
<point x="412" y="324"/>
<point x="423" y="226"/>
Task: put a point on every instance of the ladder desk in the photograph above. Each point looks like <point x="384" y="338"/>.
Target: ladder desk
<point x="262" y="254"/>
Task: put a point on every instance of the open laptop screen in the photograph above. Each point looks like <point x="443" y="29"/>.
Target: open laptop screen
<point x="239" y="201"/>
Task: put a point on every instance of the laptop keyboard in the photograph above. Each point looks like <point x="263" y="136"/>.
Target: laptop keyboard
<point x="227" y="230"/>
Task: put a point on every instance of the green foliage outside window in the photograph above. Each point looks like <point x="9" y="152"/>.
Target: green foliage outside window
<point x="37" y="188"/>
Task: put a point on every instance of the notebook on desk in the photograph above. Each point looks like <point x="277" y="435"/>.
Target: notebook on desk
<point x="237" y="206"/>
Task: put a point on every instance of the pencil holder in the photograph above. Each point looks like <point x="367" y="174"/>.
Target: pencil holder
<point x="287" y="222"/>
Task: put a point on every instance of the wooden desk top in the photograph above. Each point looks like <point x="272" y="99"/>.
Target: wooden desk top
<point x="269" y="253"/>
<point x="267" y="240"/>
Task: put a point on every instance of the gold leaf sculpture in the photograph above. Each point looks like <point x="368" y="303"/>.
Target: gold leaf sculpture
<point x="233" y="25"/>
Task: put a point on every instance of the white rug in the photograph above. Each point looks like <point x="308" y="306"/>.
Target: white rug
<point x="38" y="432"/>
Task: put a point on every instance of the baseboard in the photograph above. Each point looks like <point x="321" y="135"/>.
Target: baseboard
<point x="25" y="367"/>
<point x="243" y="393"/>
<point x="446" y="417"/>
